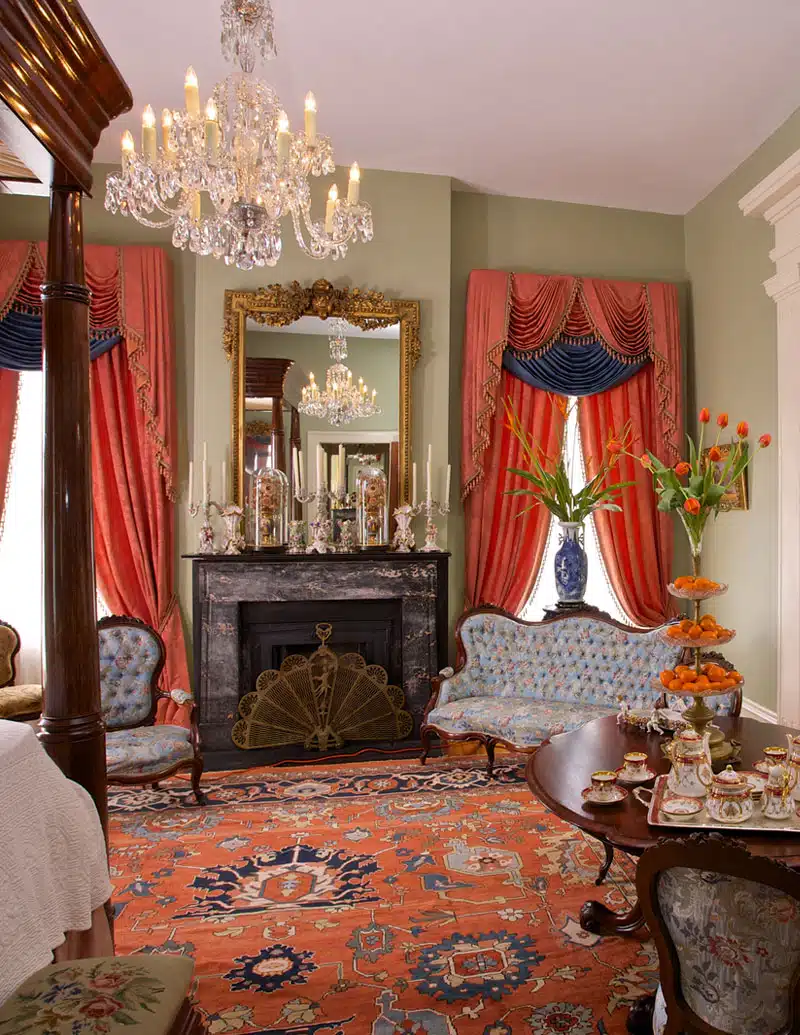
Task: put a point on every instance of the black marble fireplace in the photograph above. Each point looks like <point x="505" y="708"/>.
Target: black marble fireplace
<point x="253" y="610"/>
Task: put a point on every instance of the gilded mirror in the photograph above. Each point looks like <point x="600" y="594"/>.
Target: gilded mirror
<point x="276" y="338"/>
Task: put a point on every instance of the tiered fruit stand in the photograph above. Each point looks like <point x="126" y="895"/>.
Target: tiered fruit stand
<point x="699" y="681"/>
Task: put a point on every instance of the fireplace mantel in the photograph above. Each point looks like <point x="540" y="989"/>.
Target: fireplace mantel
<point x="226" y="587"/>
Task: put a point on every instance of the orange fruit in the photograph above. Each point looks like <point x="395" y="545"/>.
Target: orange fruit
<point x="689" y="676"/>
<point x="715" y="684"/>
<point x="708" y="635"/>
<point x="707" y="623"/>
<point x="728" y="684"/>
<point x="704" y="585"/>
<point x="666" y="677"/>
<point x="674" y="632"/>
<point x="702" y="683"/>
<point x="684" y="581"/>
<point x="735" y="676"/>
<point x="676" y="684"/>
<point x="695" y="632"/>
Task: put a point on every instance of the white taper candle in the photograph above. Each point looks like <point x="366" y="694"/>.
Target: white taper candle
<point x="413" y="485"/>
<point x="205" y="472"/>
<point x="191" y="481"/>
<point x="446" y="498"/>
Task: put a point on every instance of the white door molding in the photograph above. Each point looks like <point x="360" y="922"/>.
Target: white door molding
<point x="777" y="199"/>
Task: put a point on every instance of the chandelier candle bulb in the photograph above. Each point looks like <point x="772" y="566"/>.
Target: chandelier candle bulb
<point x="212" y="130"/>
<point x="166" y="126"/>
<point x="149" y="132"/>
<point x="283" y="141"/>
<point x="128" y="147"/>
<point x="191" y="92"/>
<point x="330" y="208"/>
<point x="354" y="184"/>
<point x="311" y="118"/>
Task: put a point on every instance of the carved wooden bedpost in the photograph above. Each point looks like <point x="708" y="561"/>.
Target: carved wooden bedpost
<point x="71" y="728"/>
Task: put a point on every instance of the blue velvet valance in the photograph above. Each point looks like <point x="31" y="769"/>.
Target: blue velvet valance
<point x="572" y="367"/>
<point x="21" y="340"/>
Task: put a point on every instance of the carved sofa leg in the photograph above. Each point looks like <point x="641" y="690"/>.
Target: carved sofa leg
<point x="197" y="772"/>
<point x="490" y="757"/>
<point x="425" y="735"/>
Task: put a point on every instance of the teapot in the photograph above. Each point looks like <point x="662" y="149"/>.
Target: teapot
<point x="776" y="798"/>
<point x="690" y="775"/>
<point x="793" y="764"/>
<point x="729" y="800"/>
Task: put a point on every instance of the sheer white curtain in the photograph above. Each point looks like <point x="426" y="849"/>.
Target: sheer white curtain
<point x="598" y="588"/>
<point x="21" y="577"/>
<point x="21" y="543"/>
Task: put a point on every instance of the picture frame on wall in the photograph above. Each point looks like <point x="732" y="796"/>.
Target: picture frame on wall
<point x="736" y="498"/>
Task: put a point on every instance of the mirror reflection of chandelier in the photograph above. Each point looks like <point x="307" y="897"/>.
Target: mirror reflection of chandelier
<point x="341" y="401"/>
<point x="241" y="152"/>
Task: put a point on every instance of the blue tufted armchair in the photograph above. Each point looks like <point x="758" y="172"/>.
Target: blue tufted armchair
<point x="137" y="749"/>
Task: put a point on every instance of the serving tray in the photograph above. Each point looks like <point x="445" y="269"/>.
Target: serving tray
<point x="702" y="821"/>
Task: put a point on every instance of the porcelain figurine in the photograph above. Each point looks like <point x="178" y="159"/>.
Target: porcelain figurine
<point x="297" y="537"/>
<point x="234" y="540"/>
<point x="794" y="765"/>
<point x="206" y="537"/>
<point x="321" y="537"/>
<point x="776" y="799"/>
<point x="403" y="540"/>
<point x="347" y="537"/>
<point x="691" y="774"/>
<point x="729" y="799"/>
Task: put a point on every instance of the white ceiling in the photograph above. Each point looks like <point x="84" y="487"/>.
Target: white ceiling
<point x="643" y="104"/>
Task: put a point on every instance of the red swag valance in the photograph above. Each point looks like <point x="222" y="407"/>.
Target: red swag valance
<point x="128" y="285"/>
<point x="528" y="312"/>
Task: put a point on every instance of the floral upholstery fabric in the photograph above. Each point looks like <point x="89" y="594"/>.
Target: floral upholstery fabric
<point x="129" y="656"/>
<point x="133" y="994"/>
<point x="738" y="945"/>
<point x="572" y="661"/>
<point x="146" y="750"/>
<point x="518" y="720"/>
<point x="720" y="704"/>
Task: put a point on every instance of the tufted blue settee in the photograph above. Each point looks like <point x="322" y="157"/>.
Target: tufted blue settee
<point x="517" y="683"/>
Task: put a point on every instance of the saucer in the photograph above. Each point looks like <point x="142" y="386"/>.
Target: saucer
<point x="763" y="766"/>
<point x="634" y="781"/>
<point x="756" y="780"/>
<point x="681" y="806"/>
<point x="617" y="795"/>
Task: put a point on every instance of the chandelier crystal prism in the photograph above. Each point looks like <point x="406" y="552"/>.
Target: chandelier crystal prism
<point x="341" y="401"/>
<point x="241" y="153"/>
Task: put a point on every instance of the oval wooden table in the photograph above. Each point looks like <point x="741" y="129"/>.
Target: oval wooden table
<point x="558" y="771"/>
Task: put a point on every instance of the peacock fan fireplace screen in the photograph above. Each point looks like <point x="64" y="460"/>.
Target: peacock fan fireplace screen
<point x="323" y="702"/>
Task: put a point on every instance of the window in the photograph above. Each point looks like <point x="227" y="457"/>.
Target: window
<point x="598" y="589"/>
<point x="21" y="575"/>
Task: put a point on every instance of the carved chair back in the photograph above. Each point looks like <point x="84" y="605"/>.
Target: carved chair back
<point x="727" y="928"/>
<point x="132" y="657"/>
<point x="578" y="657"/>
<point x="9" y="648"/>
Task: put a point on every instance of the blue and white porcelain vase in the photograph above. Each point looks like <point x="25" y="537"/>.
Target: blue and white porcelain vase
<point x="571" y="565"/>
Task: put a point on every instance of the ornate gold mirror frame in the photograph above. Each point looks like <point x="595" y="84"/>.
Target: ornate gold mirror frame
<point x="280" y="305"/>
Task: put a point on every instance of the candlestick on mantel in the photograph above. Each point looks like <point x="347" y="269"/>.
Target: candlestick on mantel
<point x="301" y="479"/>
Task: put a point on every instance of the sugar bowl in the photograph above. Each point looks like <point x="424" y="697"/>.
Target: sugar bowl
<point x="729" y="799"/>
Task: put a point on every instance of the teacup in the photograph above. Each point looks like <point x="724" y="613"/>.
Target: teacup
<point x="635" y="767"/>
<point x="775" y="755"/>
<point x="603" y="782"/>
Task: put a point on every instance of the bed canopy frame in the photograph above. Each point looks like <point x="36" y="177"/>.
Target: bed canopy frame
<point x="59" y="90"/>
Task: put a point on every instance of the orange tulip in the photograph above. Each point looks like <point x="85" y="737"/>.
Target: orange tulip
<point x="714" y="454"/>
<point x="765" y="440"/>
<point x="722" y="420"/>
<point x="646" y="462"/>
<point x="614" y="446"/>
<point x="742" y="429"/>
<point x="692" y="506"/>
<point x="705" y="416"/>
<point x="682" y="468"/>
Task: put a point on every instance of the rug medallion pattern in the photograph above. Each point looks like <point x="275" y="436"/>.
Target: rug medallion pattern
<point x="375" y="899"/>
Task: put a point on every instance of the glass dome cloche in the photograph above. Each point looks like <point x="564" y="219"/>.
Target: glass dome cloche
<point x="372" y="506"/>
<point x="271" y="497"/>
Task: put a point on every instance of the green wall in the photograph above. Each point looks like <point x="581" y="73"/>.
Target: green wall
<point x="734" y="362"/>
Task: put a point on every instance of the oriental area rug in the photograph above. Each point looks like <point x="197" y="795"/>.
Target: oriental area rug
<point x="375" y="899"/>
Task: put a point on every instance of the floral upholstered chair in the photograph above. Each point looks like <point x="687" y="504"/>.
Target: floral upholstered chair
<point x="17" y="701"/>
<point x="727" y="929"/>
<point x="138" y="748"/>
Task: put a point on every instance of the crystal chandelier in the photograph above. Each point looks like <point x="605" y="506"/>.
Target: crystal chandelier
<point x="241" y="153"/>
<point x="341" y="401"/>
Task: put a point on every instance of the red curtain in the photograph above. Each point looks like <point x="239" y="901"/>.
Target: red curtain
<point x="134" y="519"/>
<point x="504" y="546"/>
<point x="528" y="312"/>
<point x="9" y="392"/>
